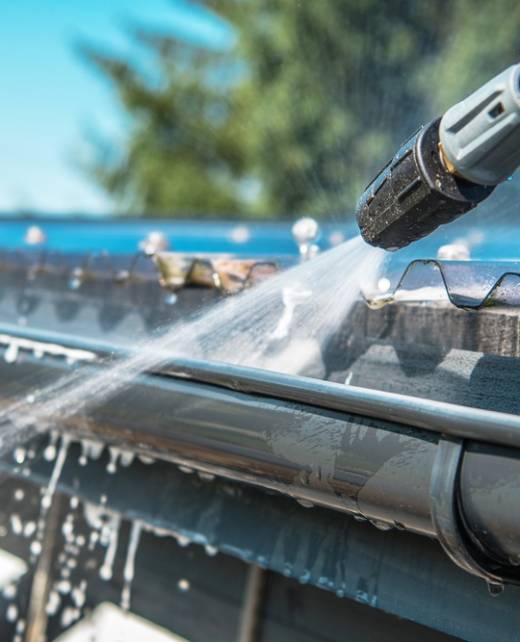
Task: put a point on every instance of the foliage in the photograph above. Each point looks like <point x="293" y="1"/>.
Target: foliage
<point x="301" y="111"/>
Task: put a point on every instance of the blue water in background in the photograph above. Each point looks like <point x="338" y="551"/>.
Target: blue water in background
<point x="123" y="236"/>
<point x="490" y="242"/>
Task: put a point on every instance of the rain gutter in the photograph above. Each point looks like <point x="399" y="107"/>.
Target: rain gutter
<point x="442" y="470"/>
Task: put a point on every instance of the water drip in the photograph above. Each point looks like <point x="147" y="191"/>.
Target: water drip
<point x="16" y="524"/>
<point x="79" y="594"/>
<point x="11" y="353"/>
<point x="112" y="464"/>
<point x="105" y="572"/>
<point x="50" y="452"/>
<point x="128" y="573"/>
<point x="53" y="603"/>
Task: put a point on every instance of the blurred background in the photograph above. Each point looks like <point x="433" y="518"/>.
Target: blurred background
<point x="229" y="109"/>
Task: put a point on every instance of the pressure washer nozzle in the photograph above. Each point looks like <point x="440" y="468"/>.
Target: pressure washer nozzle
<point x="447" y="167"/>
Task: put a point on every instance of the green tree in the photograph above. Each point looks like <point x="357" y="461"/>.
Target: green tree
<point x="480" y="40"/>
<point x="181" y="155"/>
<point x="330" y="92"/>
<point x="301" y="112"/>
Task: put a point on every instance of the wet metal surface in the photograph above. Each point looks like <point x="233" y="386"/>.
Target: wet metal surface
<point x="341" y="446"/>
<point x="376" y="469"/>
<point x="394" y="572"/>
<point x="465" y="284"/>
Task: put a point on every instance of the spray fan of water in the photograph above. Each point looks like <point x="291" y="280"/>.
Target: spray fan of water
<point x="281" y="324"/>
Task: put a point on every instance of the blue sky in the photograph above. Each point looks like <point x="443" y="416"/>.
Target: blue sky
<point x="49" y="97"/>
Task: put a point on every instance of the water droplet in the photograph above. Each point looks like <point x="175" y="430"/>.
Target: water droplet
<point x="182" y="540"/>
<point x="79" y="595"/>
<point x="36" y="548"/>
<point x="50" y="451"/>
<point x="69" y="616"/>
<point x="68" y="528"/>
<point x="336" y="238"/>
<point x="305" y="576"/>
<point x="11" y="353"/>
<point x="126" y="457"/>
<point x="64" y="587"/>
<point x="112" y="464"/>
<point x="29" y="529"/>
<point x="19" y="455"/>
<point x="34" y="235"/>
<point x="93" y="540"/>
<point x="12" y="613"/>
<point x="19" y="494"/>
<point x="16" y="524"/>
<point x="75" y="283"/>
<point x="262" y="561"/>
<point x="211" y="550"/>
<point x="183" y="585"/>
<point x="53" y="603"/>
<point x="383" y="285"/>
<point x="105" y="572"/>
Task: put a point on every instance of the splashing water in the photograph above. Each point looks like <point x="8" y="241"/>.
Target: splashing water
<point x="281" y="325"/>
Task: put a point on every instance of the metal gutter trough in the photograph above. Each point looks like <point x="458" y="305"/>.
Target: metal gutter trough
<point x="290" y="473"/>
<point x="395" y="460"/>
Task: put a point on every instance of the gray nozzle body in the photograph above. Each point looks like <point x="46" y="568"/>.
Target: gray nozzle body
<point x="480" y="136"/>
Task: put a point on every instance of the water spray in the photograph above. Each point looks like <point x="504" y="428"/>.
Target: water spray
<point x="447" y="167"/>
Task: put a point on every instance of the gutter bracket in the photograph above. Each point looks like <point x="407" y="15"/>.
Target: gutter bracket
<point x="449" y="524"/>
